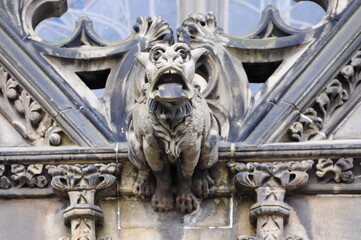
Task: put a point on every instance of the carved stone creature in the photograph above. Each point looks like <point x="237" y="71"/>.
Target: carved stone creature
<point x="173" y="134"/>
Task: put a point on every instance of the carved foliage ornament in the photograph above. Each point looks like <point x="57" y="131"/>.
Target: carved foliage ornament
<point x="81" y="183"/>
<point x="22" y="176"/>
<point x="172" y="127"/>
<point x="25" y="114"/>
<point x="341" y="170"/>
<point x="287" y="175"/>
<point x="312" y="122"/>
<point x="271" y="180"/>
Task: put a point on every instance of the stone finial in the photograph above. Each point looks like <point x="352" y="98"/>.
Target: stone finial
<point x="271" y="181"/>
<point x="81" y="183"/>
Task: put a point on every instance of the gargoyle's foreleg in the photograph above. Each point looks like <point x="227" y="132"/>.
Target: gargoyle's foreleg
<point x="185" y="200"/>
<point x="145" y="183"/>
<point x="162" y="199"/>
<point x="203" y="185"/>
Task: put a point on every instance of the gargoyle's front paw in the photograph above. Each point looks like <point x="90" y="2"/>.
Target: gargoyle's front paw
<point x="202" y="184"/>
<point x="145" y="185"/>
<point x="186" y="203"/>
<point x="162" y="201"/>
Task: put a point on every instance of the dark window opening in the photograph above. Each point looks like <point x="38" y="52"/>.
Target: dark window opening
<point x="260" y="72"/>
<point x="94" y="79"/>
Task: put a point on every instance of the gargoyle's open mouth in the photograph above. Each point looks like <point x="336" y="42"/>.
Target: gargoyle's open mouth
<point x="170" y="87"/>
<point x="170" y="78"/>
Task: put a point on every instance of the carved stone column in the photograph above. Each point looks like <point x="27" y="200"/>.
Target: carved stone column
<point x="271" y="181"/>
<point x="218" y="7"/>
<point x="81" y="183"/>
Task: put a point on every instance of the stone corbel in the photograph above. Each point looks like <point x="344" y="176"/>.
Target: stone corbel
<point x="81" y="183"/>
<point x="271" y="181"/>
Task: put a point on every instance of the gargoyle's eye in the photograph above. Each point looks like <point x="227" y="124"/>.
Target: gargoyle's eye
<point x="182" y="53"/>
<point x="157" y="54"/>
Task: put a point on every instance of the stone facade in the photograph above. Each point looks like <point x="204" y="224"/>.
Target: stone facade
<point x="282" y="164"/>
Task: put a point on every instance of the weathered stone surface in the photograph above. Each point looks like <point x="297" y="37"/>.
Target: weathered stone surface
<point x="213" y="214"/>
<point x="328" y="216"/>
<point x="208" y="234"/>
<point x="12" y="138"/>
<point x="242" y="224"/>
<point x="310" y="91"/>
<point x="350" y="127"/>
<point x="32" y="219"/>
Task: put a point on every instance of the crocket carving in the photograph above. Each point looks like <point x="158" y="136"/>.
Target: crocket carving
<point x="173" y="134"/>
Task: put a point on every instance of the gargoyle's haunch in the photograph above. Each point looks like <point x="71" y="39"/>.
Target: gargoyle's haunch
<point x="172" y="130"/>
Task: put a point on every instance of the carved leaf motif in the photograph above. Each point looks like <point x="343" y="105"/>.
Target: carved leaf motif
<point x="351" y="73"/>
<point x="81" y="177"/>
<point x="110" y="168"/>
<point x="25" y="113"/>
<point x="290" y="175"/>
<point x="333" y="97"/>
<point x="17" y="169"/>
<point x="29" y="175"/>
<point x="280" y="171"/>
<point x="303" y="166"/>
<point x="198" y="27"/>
<point x="11" y="88"/>
<point x="310" y="126"/>
<point x="299" y="179"/>
<point x="65" y="177"/>
<point x="35" y="169"/>
<point x="155" y="29"/>
<point x="252" y="174"/>
<point x="262" y="173"/>
<point x="340" y="170"/>
<point x="245" y="179"/>
<point x="39" y="181"/>
<point x="4" y="181"/>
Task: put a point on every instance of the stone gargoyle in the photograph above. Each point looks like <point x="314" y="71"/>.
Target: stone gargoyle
<point x="173" y="134"/>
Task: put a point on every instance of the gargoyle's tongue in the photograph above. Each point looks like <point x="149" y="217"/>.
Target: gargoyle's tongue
<point x="171" y="91"/>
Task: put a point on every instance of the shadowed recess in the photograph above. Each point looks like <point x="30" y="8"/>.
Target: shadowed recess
<point x="94" y="79"/>
<point x="260" y="72"/>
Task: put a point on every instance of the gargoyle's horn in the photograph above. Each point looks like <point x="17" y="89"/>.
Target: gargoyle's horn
<point x="198" y="53"/>
<point x="142" y="57"/>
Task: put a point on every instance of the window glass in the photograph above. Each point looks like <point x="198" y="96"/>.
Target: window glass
<point x="113" y="20"/>
<point x="244" y="15"/>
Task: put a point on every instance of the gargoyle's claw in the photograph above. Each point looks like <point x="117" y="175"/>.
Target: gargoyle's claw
<point x="161" y="203"/>
<point x="186" y="203"/>
<point x="146" y="190"/>
<point x="144" y="186"/>
<point x="203" y="185"/>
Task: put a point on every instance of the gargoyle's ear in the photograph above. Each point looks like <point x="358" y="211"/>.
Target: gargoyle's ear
<point x="198" y="52"/>
<point x="142" y="57"/>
